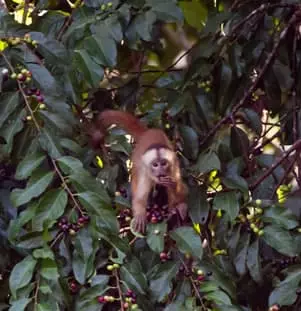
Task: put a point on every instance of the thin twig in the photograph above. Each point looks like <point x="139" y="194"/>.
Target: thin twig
<point x="115" y="273"/>
<point x="65" y="186"/>
<point x="193" y="283"/>
<point x="56" y="239"/>
<point x="288" y="169"/>
<point x="268" y="172"/>
<point x="36" y="294"/>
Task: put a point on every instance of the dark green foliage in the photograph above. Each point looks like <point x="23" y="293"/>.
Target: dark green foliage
<point x="233" y="113"/>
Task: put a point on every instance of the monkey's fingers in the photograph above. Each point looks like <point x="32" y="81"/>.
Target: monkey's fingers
<point x="140" y="223"/>
<point x="169" y="183"/>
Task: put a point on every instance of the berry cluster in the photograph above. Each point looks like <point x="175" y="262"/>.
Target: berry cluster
<point x="72" y="228"/>
<point x="156" y="214"/>
<point x="252" y="220"/>
<point x="130" y="300"/>
<point x="23" y="76"/>
<point x="17" y="40"/>
<point x="106" y="298"/>
<point x="284" y="263"/>
<point x="107" y="6"/>
<point x="206" y="85"/>
<point x="113" y="267"/>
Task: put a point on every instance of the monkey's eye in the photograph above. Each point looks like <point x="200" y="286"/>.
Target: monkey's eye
<point x="155" y="164"/>
<point x="163" y="162"/>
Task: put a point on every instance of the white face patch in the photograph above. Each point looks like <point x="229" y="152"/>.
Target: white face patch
<point x="153" y="154"/>
<point x="149" y="157"/>
<point x="166" y="154"/>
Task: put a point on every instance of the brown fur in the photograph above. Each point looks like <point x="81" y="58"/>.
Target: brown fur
<point x="141" y="182"/>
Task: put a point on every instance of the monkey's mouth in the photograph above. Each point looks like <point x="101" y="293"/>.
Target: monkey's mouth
<point x="166" y="181"/>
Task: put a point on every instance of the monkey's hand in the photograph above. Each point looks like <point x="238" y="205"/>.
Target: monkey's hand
<point x="167" y="182"/>
<point x="140" y="222"/>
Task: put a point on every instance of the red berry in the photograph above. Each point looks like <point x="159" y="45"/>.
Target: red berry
<point x="154" y="220"/>
<point x="129" y="293"/>
<point x="101" y="299"/>
<point x="163" y="256"/>
<point x="40" y="98"/>
<point x="65" y="227"/>
<point x="201" y="278"/>
<point x="81" y="220"/>
<point x="86" y="217"/>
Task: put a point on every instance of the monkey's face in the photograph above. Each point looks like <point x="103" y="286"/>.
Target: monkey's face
<point x="160" y="168"/>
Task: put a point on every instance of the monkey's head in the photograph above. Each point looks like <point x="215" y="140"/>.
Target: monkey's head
<point x="158" y="162"/>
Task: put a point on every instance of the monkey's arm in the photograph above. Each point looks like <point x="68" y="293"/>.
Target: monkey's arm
<point x="177" y="194"/>
<point x="141" y="186"/>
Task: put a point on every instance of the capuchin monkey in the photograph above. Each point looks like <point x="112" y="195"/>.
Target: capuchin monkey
<point x="154" y="162"/>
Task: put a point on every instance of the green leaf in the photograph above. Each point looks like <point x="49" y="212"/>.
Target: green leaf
<point x="8" y="103"/>
<point x="93" y="72"/>
<point x="166" y="10"/>
<point x="285" y="292"/>
<point x="51" y="206"/>
<point x="49" y="270"/>
<point x="52" y="50"/>
<point x="253" y="261"/>
<point x="239" y="141"/>
<point x="24" y="217"/>
<point x="36" y="185"/>
<point x="228" y="202"/>
<point x="28" y="165"/>
<point x="95" y="205"/>
<point x="42" y="77"/>
<point x="254" y="119"/>
<point x="98" y="287"/>
<point x="121" y="247"/>
<point x="240" y="260"/>
<point x="191" y="141"/>
<point x="160" y="286"/>
<point x="19" y="305"/>
<point x="155" y="236"/>
<point x="10" y="129"/>
<point x="218" y="297"/>
<point x="207" y="162"/>
<point x="198" y="205"/>
<point x="224" y="84"/>
<point x="280" y="239"/>
<point x="133" y="275"/>
<point x="141" y="27"/>
<point x="56" y="119"/>
<point x="280" y="216"/>
<point x="104" y="47"/>
<point x="83" y="256"/>
<point x="49" y="142"/>
<point x="188" y="241"/>
<point x="195" y="13"/>
<point x="21" y="274"/>
<point x="69" y="164"/>
<point x="43" y="253"/>
<point x="48" y="306"/>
